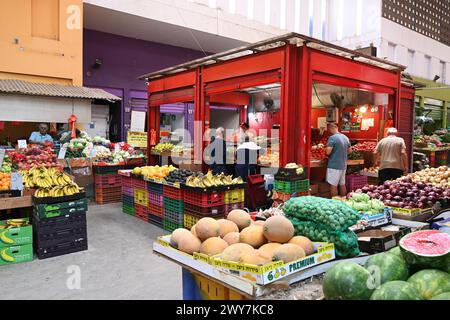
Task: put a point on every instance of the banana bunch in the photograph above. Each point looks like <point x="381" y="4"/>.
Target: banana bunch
<point x="44" y="178"/>
<point x="210" y="180"/>
<point x="58" y="191"/>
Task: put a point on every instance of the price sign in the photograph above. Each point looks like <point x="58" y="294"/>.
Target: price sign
<point x="116" y="148"/>
<point x="62" y="152"/>
<point x="22" y="144"/>
<point x="2" y="156"/>
<point x="16" y="181"/>
<point x="137" y="139"/>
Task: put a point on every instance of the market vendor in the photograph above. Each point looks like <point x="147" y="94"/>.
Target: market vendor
<point x="246" y="159"/>
<point x="338" y="148"/>
<point x="245" y="135"/>
<point x="391" y="157"/>
<point x="218" y="151"/>
<point x="41" y="136"/>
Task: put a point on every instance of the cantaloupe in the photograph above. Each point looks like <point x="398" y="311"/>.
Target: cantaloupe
<point x="189" y="243"/>
<point x="232" y="238"/>
<point x="269" y="248"/>
<point x="176" y="235"/>
<point x="303" y="242"/>
<point x="278" y="229"/>
<point x="207" y="228"/>
<point x="213" y="246"/>
<point x="255" y="258"/>
<point x="226" y="227"/>
<point x="236" y="251"/>
<point x="240" y="217"/>
<point x="288" y="252"/>
<point x="193" y="230"/>
<point x="258" y="223"/>
<point x="254" y="236"/>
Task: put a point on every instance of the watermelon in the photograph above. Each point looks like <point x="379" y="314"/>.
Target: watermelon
<point x="396" y="290"/>
<point x="431" y="282"/>
<point x="387" y="267"/>
<point x="397" y="252"/>
<point x="442" y="296"/>
<point x="348" y="281"/>
<point x="429" y="249"/>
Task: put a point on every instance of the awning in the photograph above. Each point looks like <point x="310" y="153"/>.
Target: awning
<point x="54" y="90"/>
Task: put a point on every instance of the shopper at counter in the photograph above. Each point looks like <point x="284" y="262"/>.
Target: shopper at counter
<point x="338" y="148"/>
<point x="218" y="149"/>
<point x="246" y="159"/>
<point x="391" y="157"/>
<point x="41" y="136"/>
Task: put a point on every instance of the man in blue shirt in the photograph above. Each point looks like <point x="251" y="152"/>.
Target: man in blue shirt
<point x="41" y="136"/>
<point x="338" y="149"/>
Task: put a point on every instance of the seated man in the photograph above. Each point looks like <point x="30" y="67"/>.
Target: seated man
<point x="41" y="136"/>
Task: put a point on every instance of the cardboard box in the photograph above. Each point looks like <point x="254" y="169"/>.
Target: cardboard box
<point x="324" y="187"/>
<point x="314" y="189"/>
<point x="15" y="236"/>
<point x="382" y="219"/>
<point x="16" y="254"/>
<point x="380" y="240"/>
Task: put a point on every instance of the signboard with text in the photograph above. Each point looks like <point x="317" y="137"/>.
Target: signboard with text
<point x="137" y="139"/>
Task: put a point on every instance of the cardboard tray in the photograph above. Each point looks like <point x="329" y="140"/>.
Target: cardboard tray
<point x="378" y="240"/>
<point x="53" y="200"/>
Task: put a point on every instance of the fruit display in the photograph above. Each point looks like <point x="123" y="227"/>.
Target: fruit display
<point x="180" y="149"/>
<point x="362" y="203"/>
<point x="430" y="142"/>
<point x="97" y="140"/>
<point x="178" y="176"/>
<point x="163" y="147"/>
<point x="366" y="146"/>
<point x="355" y="155"/>
<point x="154" y="172"/>
<point x="200" y="180"/>
<point x="439" y="177"/>
<point x="25" y="159"/>
<point x="50" y="182"/>
<point x="396" y="275"/>
<point x="102" y="152"/>
<point x="406" y="194"/>
<point x="318" y="152"/>
<point x="7" y="165"/>
<point x="272" y="158"/>
<point x="5" y="181"/>
<point x="371" y="170"/>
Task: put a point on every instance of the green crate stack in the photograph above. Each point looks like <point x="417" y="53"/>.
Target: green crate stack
<point x="291" y="186"/>
<point x="171" y="226"/>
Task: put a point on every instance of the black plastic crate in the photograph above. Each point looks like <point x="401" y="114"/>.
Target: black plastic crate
<point x="58" y="237"/>
<point x="155" y="220"/>
<point x="52" y="225"/>
<point x="62" y="249"/>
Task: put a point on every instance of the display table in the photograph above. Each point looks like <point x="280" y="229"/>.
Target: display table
<point x="436" y="156"/>
<point x="15" y="202"/>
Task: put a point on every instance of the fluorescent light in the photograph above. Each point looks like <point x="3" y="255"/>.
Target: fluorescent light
<point x="310" y="17"/>
<point x="232" y="6"/>
<point x="212" y="3"/>
<point x="283" y="14"/>
<point x="323" y="17"/>
<point x="250" y="9"/>
<point x="359" y="12"/>
<point x="297" y="16"/>
<point x="267" y="9"/>
<point x="363" y="109"/>
<point x="340" y="20"/>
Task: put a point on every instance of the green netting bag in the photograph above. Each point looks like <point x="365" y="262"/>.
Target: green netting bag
<point x="345" y="242"/>
<point x="335" y="215"/>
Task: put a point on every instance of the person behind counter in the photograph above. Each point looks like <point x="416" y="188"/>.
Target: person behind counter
<point x="41" y="136"/>
<point x="246" y="159"/>
<point x="337" y="150"/>
<point x="391" y="157"/>
<point x="218" y="151"/>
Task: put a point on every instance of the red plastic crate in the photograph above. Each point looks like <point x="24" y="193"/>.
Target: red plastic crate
<point x="141" y="212"/>
<point x="204" y="211"/>
<point x="212" y="199"/>
<point x="109" y="195"/>
<point x="107" y="180"/>
<point x="355" y="182"/>
<point x="155" y="198"/>
<point x="155" y="210"/>
<point x="139" y="183"/>
<point x="173" y="193"/>
<point x="129" y="191"/>
<point x="127" y="181"/>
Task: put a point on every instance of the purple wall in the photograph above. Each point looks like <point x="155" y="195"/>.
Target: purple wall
<point x="124" y="60"/>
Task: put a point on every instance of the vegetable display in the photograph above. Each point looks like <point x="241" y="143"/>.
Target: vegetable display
<point x="439" y="177"/>
<point x="366" y="146"/>
<point x="361" y="202"/>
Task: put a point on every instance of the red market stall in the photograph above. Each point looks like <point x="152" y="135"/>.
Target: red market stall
<point x="301" y="84"/>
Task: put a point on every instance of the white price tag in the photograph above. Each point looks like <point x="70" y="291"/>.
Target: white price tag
<point x="62" y="152"/>
<point x="22" y="144"/>
<point x="16" y="181"/>
<point x="2" y="156"/>
<point x="116" y="148"/>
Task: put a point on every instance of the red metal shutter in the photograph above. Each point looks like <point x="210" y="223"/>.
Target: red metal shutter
<point x="405" y="124"/>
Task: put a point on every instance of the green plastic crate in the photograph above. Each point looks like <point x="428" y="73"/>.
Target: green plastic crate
<point x="174" y="205"/>
<point x="291" y="186"/>
<point x="128" y="209"/>
<point x="171" y="226"/>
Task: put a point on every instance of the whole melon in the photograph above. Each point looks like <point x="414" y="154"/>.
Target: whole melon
<point x="232" y="238"/>
<point x="396" y="290"/>
<point x="240" y="217"/>
<point x="288" y="252"/>
<point x="176" y="235"/>
<point x="303" y="242"/>
<point x="213" y="246"/>
<point x="253" y="236"/>
<point x="193" y="230"/>
<point x="348" y="281"/>
<point x="397" y="251"/>
<point x="269" y="248"/>
<point x="236" y="251"/>
<point x="226" y="227"/>
<point x="189" y="243"/>
<point x="388" y="266"/>
<point x="255" y="258"/>
<point x="431" y="282"/>
<point x="442" y="296"/>
<point x="428" y="249"/>
<point x="207" y="228"/>
<point x="278" y="229"/>
<point x="258" y="223"/>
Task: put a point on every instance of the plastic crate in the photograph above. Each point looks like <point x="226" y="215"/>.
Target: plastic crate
<point x="291" y="186"/>
<point x="355" y="182"/>
<point x="129" y="191"/>
<point x="174" y="216"/>
<point x="63" y="248"/>
<point x="155" y="210"/>
<point x="139" y="183"/>
<point x="283" y="197"/>
<point x="286" y="174"/>
<point x="204" y="199"/>
<point x="171" y="226"/>
<point x="141" y="212"/>
<point x="107" y="169"/>
<point x="109" y="195"/>
<point x="128" y="209"/>
<point x="204" y="211"/>
<point x="127" y="181"/>
<point x="173" y="193"/>
<point x="190" y="219"/>
<point x="156" y="198"/>
<point x="128" y="199"/>
<point x="232" y="206"/>
<point x="155" y="220"/>
<point x="174" y="205"/>
<point x="107" y="180"/>
<point x="235" y="196"/>
<point x="141" y="197"/>
<point x="372" y="181"/>
<point x="155" y="187"/>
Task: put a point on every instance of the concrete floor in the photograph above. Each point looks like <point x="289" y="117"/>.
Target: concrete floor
<point x="119" y="264"/>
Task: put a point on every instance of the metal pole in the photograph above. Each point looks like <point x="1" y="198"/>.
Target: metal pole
<point x="444" y="115"/>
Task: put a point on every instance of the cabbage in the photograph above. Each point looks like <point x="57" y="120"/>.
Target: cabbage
<point x="360" y="197"/>
<point x="377" y="205"/>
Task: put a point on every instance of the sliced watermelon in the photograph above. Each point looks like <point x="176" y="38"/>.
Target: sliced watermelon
<point x="396" y="290"/>
<point x="431" y="283"/>
<point x="429" y="249"/>
<point x="387" y="267"/>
